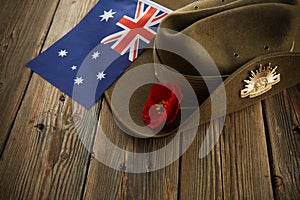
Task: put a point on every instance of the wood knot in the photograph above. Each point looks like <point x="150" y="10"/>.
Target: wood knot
<point x="64" y="156"/>
<point x="62" y="98"/>
<point x="122" y="167"/>
<point x="39" y="127"/>
<point x="296" y="129"/>
<point x="278" y="181"/>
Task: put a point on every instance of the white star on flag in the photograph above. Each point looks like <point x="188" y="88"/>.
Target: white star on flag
<point x="62" y="53"/>
<point x="99" y="48"/>
<point x="78" y="80"/>
<point x="74" y="67"/>
<point x="107" y="15"/>
<point x="96" y="55"/>
<point x="100" y="76"/>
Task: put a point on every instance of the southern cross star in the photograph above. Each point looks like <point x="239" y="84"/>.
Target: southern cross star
<point x="78" y="80"/>
<point x="62" y="53"/>
<point x="100" y="76"/>
<point x="96" y="55"/>
<point x="74" y="67"/>
<point x="107" y="15"/>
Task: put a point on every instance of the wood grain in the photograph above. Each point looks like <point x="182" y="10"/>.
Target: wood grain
<point x="237" y="167"/>
<point x="282" y="116"/>
<point x="245" y="163"/>
<point x="48" y="137"/>
<point x="23" y="27"/>
<point x="201" y="178"/>
<point x="45" y="157"/>
<point x="107" y="183"/>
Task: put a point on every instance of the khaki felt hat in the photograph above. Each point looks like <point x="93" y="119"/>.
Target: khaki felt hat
<point x="253" y="44"/>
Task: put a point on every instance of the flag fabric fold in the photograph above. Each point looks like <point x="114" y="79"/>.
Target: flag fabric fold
<point x="87" y="60"/>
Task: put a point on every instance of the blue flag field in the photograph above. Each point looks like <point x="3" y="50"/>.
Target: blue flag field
<point x="87" y="60"/>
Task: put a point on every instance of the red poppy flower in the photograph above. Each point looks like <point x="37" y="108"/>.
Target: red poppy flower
<point x="162" y="105"/>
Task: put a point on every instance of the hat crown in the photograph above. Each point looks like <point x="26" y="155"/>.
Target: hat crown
<point x="232" y="33"/>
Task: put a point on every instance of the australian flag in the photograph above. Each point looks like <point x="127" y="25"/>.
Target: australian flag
<point x="86" y="61"/>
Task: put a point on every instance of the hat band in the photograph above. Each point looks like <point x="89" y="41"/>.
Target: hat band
<point x="199" y="83"/>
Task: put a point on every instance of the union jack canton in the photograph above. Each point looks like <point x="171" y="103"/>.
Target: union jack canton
<point x="137" y="28"/>
<point x="87" y="60"/>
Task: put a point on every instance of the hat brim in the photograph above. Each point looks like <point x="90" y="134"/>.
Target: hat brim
<point x="288" y="68"/>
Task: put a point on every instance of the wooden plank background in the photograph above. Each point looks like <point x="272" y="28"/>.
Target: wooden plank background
<point x="43" y="157"/>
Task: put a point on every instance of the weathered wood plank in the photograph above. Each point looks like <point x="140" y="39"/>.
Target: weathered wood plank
<point x="282" y="116"/>
<point x="107" y="183"/>
<point x="245" y="163"/>
<point x="237" y="167"/>
<point x="201" y="178"/>
<point x="45" y="157"/>
<point x="23" y="27"/>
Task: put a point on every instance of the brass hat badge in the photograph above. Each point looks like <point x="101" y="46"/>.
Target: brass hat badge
<point x="260" y="81"/>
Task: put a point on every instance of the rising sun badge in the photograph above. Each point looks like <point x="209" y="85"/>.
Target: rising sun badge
<point x="260" y="81"/>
